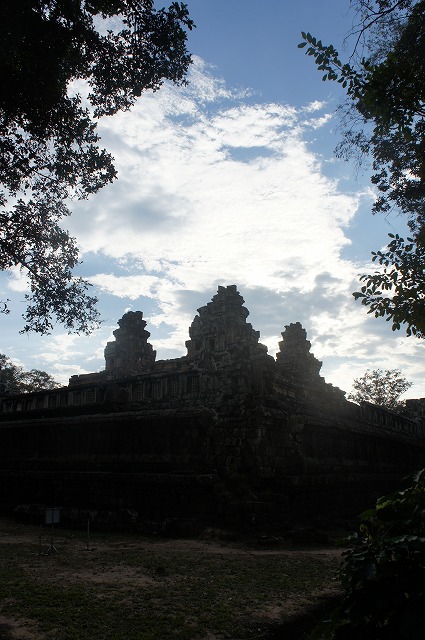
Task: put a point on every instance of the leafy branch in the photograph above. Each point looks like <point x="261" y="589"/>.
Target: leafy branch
<point x="397" y="292"/>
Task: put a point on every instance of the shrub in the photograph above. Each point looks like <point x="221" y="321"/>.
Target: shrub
<point x="383" y="575"/>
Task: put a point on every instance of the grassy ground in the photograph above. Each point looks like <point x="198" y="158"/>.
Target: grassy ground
<point x="134" y="588"/>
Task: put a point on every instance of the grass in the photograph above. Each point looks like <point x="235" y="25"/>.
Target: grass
<point x="131" y="588"/>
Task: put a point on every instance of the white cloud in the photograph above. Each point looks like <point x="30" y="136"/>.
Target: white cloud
<point x="190" y="208"/>
<point x="127" y="286"/>
<point x="61" y="347"/>
<point x="18" y="280"/>
<point x="316" y="105"/>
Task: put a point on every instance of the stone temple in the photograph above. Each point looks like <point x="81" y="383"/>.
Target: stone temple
<point x="226" y="434"/>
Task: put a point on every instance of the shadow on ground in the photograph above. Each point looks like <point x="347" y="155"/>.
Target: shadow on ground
<point x="6" y="632"/>
<point x="300" y="626"/>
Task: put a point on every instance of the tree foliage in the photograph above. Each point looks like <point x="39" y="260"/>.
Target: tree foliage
<point x="398" y="290"/>
<point x="383" y="575"/>
<point x="49" y="143"/>
<point x="380" y="387"/>
<point x="383" y="117"/>
<point x="13" y="379"/>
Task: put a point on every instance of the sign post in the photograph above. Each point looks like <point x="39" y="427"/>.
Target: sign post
<point x="52" y="517"/>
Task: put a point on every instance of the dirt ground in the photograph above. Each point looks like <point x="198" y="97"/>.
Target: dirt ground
<point x="33" y="543"/>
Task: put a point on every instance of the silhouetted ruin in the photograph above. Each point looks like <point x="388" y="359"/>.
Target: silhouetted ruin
<point x="223" y="435"/>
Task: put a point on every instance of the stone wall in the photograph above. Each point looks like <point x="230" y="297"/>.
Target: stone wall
<point x="218" y="469"/>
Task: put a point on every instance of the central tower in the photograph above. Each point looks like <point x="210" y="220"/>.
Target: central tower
<point x="221" y="327"/>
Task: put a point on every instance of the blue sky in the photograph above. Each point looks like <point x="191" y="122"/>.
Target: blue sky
<point x="232" y="180"/>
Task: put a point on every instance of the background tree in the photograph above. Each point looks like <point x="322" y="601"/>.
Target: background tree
<point x="380" y="387"/>
<point x="49" y="145"/>
<point x="13" y="379"/>
<point x="383" y="117"/>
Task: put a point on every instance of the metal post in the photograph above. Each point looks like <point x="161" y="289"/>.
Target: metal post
<point x="88" y="547"/>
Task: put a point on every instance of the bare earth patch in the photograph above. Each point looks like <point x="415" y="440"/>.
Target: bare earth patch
<point x="18" y="629"/>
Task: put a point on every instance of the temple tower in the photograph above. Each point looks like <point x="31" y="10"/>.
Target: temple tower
<point x="225" y="347"/>
<point x="294" y="359"/>
<point x="131" y="352"/>
<point x="221" y="327"/>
